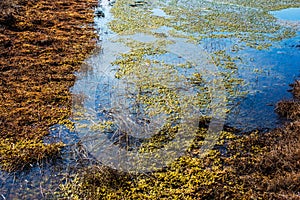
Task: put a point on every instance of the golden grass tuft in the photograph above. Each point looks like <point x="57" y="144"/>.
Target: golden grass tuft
<point x="42" y="43"/>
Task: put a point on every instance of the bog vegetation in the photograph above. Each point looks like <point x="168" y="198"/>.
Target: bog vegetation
<point x="41" y="44"/>
<point x="44" y="42"/>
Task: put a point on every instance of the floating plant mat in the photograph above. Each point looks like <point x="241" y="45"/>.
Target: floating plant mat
<point x="166" y="65"/>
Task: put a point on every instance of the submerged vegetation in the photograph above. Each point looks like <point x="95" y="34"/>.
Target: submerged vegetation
<point x="248" y="23"/>
<point x="265" y="4"/>
<point x="41" y="44"/>
<point x="252" y="165"/>
<point x="255" y="165"/>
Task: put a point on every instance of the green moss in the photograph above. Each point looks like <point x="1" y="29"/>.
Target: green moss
<point x="20" y="154"/>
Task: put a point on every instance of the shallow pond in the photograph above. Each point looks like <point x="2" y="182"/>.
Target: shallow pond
<point x="163" y="66"/>
<point x="292" y="14"/>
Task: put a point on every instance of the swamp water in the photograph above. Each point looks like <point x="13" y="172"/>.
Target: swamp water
<point x="160" y="68"/>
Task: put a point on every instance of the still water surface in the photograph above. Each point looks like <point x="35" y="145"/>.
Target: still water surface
<point x="265" y="73"/>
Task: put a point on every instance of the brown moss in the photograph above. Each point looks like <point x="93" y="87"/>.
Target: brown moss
<point x="289" y="109"/>
<point x="269" y="163"/>
<point x="296" y="89"/>
<point x="41" y="44"/>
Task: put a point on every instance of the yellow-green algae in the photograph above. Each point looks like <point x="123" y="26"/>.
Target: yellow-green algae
<point x="268" y="5"/>
<point x="188" y="177"/>
<point x="206" y="19"/>
<point x="252" y="166"/>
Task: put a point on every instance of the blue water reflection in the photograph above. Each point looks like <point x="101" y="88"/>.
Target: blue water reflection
<point x="292" y="14"/>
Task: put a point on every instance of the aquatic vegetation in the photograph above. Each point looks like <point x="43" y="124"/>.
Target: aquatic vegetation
<point x="130" y="19"/>
<point x="241" y="165"/>
<point x="257" y="28"/>
<point x="42" y="44"/>
<point x="19" y="155"/>
<point x="40" y="54"/>
<point x="269" y="5"/>
<point x="253" y="166"/>
<point x="245" y="26"/>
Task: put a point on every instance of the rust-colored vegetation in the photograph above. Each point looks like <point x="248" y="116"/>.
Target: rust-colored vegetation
<point x="41" y="44"/>
<point x="268" y="164"/>
<point x="291" y="108"/>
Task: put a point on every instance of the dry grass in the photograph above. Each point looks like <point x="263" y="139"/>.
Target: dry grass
<point x="296" y="89"/>
<point x="291" y="108"/>
<point x="41" y="44"/>
<point x="269" y="164"/>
